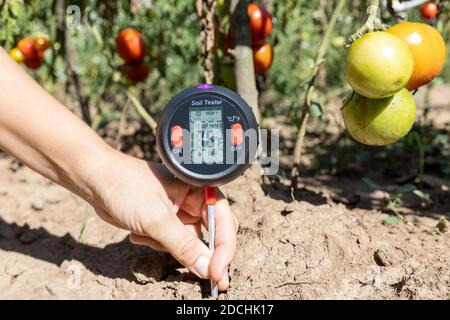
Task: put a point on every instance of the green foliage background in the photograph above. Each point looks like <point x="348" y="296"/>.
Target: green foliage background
<point x="171" y="29"/>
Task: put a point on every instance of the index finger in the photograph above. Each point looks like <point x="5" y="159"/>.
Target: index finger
<point x="225" y="235"/>
<point x="225" y="242"/>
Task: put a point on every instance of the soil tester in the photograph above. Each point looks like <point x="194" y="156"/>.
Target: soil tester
<point x="207" y="136"/>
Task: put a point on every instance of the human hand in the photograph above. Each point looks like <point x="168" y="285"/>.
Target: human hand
<point x="166" y="214"/>
<point x="141" y="197"/>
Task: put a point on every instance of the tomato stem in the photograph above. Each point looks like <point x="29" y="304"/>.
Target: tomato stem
<point x="373" y="22"/>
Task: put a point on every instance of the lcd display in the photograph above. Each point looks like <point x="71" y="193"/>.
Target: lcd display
<point x="206" y="135"/>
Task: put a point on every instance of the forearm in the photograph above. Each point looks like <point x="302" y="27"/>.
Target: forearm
<point x="40" y="132"/>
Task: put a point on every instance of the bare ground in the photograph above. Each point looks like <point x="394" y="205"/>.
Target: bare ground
<point x="329" y="239"/>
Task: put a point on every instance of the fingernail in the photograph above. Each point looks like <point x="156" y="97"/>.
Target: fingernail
<point x="201" y="267"/>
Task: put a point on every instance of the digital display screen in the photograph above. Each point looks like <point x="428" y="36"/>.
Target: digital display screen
<point x="206" y="135"/>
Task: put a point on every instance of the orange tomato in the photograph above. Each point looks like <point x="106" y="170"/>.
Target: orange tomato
<point x="260" y="22"/>
<point x="428" y="48"/>
<point x="130" y="45"/>
<point x="17" y="55"/>
<point x="137" y="72"/>
<point x="26" y="46"/>
<point x="429" y="10"/>
<point x="262" y="57"/>
<point x="41" y="43"/>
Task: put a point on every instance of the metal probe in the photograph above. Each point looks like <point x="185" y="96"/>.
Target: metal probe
<point x="210" y="199"/>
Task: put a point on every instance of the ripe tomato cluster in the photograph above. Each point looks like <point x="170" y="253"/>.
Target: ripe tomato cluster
<point x="260" y="29"/>
<point x="260" y="20"/>
<point x="130" y="46"/>
<point x="383" y="67"/>
<point x="31" y="51"/>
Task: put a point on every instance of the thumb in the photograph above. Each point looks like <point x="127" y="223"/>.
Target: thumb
<point x="184" y="246"/>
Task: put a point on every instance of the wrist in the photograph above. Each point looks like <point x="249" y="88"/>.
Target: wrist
<point x="89" y="166"/>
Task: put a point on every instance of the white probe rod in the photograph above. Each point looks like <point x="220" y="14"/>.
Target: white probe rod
<point x="212" y="236"/>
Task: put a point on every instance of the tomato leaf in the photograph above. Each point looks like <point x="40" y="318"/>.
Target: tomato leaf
<point x="391" y="220"/>
<point x="17" y="9"/>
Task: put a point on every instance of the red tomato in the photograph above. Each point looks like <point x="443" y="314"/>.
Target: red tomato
<point x="136" y="72"/>
<point x="262" y="58"/>
<point x="130" y="45"/>
<point x="429" y="10"/>
<point x="33" y="63"/>
<point x="260" y="22"/>
<point x="26" y="46"/>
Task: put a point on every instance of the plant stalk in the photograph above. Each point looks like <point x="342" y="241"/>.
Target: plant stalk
<point x="143" y="113"/>
<point x="304" y="111"/>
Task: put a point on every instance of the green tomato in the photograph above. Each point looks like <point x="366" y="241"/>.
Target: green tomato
<point x="338" y="42"/>
<point x="379" y="121"/>
<point x="378" y="65"/>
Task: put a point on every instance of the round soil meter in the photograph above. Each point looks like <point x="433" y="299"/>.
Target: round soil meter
<point x="207" y="135"/>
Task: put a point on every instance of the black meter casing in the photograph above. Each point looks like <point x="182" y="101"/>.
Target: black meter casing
<point x="181" y="135"/>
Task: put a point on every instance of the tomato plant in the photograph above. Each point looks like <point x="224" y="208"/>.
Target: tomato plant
<point x="161" y="54"/>
<point x="260" y="23"/>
